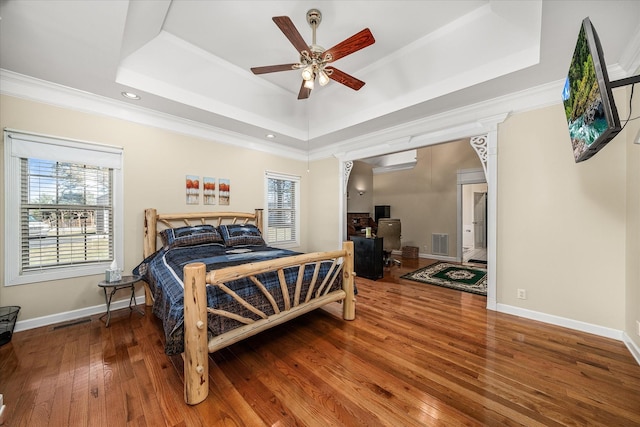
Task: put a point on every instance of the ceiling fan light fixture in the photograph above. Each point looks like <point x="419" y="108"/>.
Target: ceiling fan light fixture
<point x="307" y="73"/>
<point x="323" y="78"/>
<point x="309" y="84"/>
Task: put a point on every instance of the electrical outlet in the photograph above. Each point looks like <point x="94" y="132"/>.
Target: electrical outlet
<point x="522" y="294"/>
<point x="426" y="249"/>
<point x="638" y="323"/>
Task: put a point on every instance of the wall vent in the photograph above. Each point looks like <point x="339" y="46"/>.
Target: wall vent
<point x="440" y="244"/>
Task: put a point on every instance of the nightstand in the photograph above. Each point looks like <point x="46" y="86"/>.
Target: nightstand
<point x="126" y="282"/>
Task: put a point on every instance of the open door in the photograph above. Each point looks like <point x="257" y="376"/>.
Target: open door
<point x="480" y="220"/>
<point x="472" y="226"/>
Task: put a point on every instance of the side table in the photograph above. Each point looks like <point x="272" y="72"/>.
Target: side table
<point x="124" y="283"/>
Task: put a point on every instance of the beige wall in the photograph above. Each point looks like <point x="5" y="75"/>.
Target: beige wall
<point x="561" y="226"/>
<point x="323" y="206"/>
<point x="361" y="178"/>
<point x="567" y="233"/>
<point x="425" y="198"/>
<point x="632" y="293"/>
<point x="155" y="165"/>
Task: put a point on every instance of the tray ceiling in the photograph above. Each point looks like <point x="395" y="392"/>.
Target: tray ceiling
<point x="191" y="59"/>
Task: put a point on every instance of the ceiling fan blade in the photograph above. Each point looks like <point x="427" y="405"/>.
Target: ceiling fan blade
<point x="353" y="44"/>
<point x="344" y="78"/>
<point x="286" y="26"/>
<point x="304" y="92"/>
<point x="273" y="68"/>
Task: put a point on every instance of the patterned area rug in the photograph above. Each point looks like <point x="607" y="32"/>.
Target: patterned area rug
<point x="454" y="276"/>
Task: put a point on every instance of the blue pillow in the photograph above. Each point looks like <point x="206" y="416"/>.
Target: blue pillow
<point x="190" y="235"/>
<point x="241" y="235"/>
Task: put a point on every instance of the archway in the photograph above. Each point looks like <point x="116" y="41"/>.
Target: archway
<point x="484" y="139"/>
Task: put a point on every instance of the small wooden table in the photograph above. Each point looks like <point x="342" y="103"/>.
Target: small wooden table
<point x="123" y="283"/>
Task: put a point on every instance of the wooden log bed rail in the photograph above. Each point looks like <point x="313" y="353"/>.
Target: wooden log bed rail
<point x="197" y="345"/>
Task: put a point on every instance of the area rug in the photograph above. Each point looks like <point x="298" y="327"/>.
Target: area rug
<point x="454" y="276"/>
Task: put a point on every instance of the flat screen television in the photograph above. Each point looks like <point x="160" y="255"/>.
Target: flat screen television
<point x="591" y="112"/>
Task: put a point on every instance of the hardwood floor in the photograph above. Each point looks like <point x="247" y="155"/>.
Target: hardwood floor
<point x="415" y="355"/>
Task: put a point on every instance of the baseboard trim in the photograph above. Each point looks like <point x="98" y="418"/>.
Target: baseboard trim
<point x="562" y="321"/>
<point x="438" y="257"/>
<point x="37" y="322"/>
<point x="632" y="346"/>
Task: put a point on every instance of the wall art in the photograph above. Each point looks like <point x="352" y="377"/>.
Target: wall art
<point x="224" y="191"/>
<point x="193" y="189"/>
<point x="209" y="190"/>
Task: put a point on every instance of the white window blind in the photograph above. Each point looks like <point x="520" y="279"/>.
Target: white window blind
<point x="283" y="209"/>
<point x="66" y="214"/>
<point x="64" y="203"/>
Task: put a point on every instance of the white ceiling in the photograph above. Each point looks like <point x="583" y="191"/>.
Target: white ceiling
<point x="191" y="59"/>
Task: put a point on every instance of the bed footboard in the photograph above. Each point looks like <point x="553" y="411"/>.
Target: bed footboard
<point x="196" y="343"/>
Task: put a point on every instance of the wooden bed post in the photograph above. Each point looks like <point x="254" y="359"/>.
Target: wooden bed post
<point x="196" y="353"/>
<point x="258" y="220"/>
<point x="150" y="238"/>
<point x="349" y="304"/>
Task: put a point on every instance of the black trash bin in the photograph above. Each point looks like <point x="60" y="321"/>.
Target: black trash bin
<point x="8" y="316"/>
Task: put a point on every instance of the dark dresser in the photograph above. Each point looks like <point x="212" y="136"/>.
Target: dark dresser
<point x="368" y="257"/>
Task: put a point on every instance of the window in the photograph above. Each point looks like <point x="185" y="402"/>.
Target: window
<point x="283" y="209"/>
<point x="64" y="202"/>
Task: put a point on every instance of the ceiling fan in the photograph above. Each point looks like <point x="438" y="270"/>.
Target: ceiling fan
<point x="314" y="59"/>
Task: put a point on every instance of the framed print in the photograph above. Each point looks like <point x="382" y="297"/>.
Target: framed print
<point x="193" y="189"/>
<point x="224" y="191"/>
<point x="209" y="190"/>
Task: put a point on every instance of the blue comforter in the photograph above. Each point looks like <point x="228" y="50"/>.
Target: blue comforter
<point x="163" y="271"/>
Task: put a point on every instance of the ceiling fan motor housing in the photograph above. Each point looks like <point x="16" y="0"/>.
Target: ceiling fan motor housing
<point x="314" y="17"/>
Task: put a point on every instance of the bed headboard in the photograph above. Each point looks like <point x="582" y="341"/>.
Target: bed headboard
<point x="154" y="223"/>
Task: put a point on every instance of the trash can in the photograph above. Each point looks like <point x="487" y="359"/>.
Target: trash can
<point x="8" y="316"/>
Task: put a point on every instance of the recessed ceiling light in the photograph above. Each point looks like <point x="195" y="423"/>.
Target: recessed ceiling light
<point x="130" y="95"/>
<point x="270" y="136"/>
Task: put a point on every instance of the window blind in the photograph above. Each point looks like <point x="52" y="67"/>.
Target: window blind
<point x="282" y="208"/>
<point x="66" y="214"/>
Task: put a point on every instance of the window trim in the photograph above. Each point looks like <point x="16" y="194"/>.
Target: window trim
<point x="297" y="180"/>
<point x="12" y="245"/>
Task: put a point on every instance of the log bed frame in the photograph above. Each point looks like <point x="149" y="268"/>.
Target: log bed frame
<point x="196" y="343"/>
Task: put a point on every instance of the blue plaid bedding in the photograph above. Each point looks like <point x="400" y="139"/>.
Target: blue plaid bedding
<point x="163" y="271"/>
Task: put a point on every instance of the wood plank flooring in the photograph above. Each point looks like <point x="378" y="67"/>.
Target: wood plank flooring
<point x="416" y="355"/>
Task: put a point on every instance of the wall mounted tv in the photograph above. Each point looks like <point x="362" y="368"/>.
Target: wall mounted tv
<point x="588" y="103"/>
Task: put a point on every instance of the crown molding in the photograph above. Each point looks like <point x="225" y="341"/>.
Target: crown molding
<point x="630" y="58"/>
<point x="462" y="122"/>
<point x="25" y="87"/>
<point x="469" y="120"/>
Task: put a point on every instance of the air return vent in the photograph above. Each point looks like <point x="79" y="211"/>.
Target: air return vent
<point x="440" y="244"/>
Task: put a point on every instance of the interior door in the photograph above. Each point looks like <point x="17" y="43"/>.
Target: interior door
<point x="480" y="220"/>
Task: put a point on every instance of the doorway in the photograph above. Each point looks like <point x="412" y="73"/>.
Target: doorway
<point x="472" y="216"/>
<point x="474" y="239"/>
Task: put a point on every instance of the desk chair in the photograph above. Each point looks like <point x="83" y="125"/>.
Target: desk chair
<point x="389" y="229"/>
